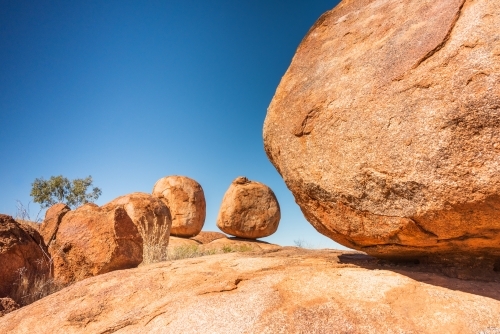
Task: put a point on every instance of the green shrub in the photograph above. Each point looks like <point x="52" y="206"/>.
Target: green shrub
<point x="59" y="189"/>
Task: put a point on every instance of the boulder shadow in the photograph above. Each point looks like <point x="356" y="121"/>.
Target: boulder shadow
<point x="486" y="283"/>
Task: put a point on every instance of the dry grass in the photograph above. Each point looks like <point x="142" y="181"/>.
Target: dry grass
<point x="23" y="213"/>
<point x="190" y="251"/>
<point x="236" y="248"/>
<point x="32" y="286"/>
<point x="187" y="252"/>
<point x="301" y="243"/>
<point x="155" y="238"/>
<point x="30" y="223"/>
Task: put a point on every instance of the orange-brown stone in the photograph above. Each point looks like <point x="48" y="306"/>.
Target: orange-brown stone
<point x="386" y="127"/>
<point x="249" y="209"/>
<point x="186" y="201"/>
<point x="21" y="250"/>
<point x="50" y="224"/>
<point x="93" y="240"/>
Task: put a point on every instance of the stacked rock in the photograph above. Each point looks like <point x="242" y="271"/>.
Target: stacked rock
<point x="186" y="201"/>
<point x="249" y="210"/>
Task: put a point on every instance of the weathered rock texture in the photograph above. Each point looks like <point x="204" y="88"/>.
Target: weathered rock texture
<point x="285" y="291"/>
<point x="93" y="240"/>
<point x="205" y="237"/>
<point x="20" y="247"/>
<point x="213" y="243"/>
<point x="152" y="219"/>
<point x="148" y="213"/>
<point x="386" y="127"/>
<point x="249" y="209"/>
<point x="186" y="201"/>
<point x="7" y="305"/>
<point x="53" y="218"/>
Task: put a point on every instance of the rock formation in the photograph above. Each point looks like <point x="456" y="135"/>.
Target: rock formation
<point x="205" y="237"/>
<point x="186" y="201"/>
<point x="147" y="212"/>
<point x="21" y="248"/>
<point x="286" y="291"/>
<point x="93" y="240"/>
<point x="386" y="127"/>
<point x="152" y="219"/>
<point x="249" y="209"/>
<point x="50" y="224"/>
<point x="214" y="243"/>
<point x="7" y="305"/>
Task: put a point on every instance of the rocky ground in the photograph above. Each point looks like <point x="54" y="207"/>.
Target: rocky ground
<point x="281" y="290"/>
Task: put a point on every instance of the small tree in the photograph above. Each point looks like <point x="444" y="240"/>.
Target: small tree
<point x="59" y="189"/>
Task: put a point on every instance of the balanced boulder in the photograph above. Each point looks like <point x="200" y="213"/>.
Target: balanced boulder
<point x="186" y="201"/>
<point x="93" y="240"/>
<point x="249" y="209"/>
<point x="22" y="251"/>
<point x="386" y="127"/>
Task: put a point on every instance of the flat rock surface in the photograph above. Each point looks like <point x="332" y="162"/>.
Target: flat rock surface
<point x="286" y="291"/>
<point x="386" y="127"/>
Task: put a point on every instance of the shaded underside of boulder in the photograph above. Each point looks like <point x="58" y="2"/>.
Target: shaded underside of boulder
<point x="386" y="127"/>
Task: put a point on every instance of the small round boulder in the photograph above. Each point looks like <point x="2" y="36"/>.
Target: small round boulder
<point x="186" y="201"/>
<point x="249" y="210"/>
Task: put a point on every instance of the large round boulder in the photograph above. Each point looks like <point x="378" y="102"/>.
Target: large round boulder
<point x="22" y="253"/>
<point x="186" y="201"/>
<point x="249" y="210"/>
<point x="386" y="127"/>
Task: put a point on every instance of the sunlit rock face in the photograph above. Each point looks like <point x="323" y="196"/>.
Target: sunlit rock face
<point x="386" y="127"/>
<point x="186" y="201"/>
<point x="249" y="210"/>
<point x="93" y="240"/>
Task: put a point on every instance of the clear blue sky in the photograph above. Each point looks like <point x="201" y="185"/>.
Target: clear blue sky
<point x="131" y="91"/>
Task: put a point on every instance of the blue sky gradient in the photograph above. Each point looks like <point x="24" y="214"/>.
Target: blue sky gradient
<point x="131" y="91"/>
